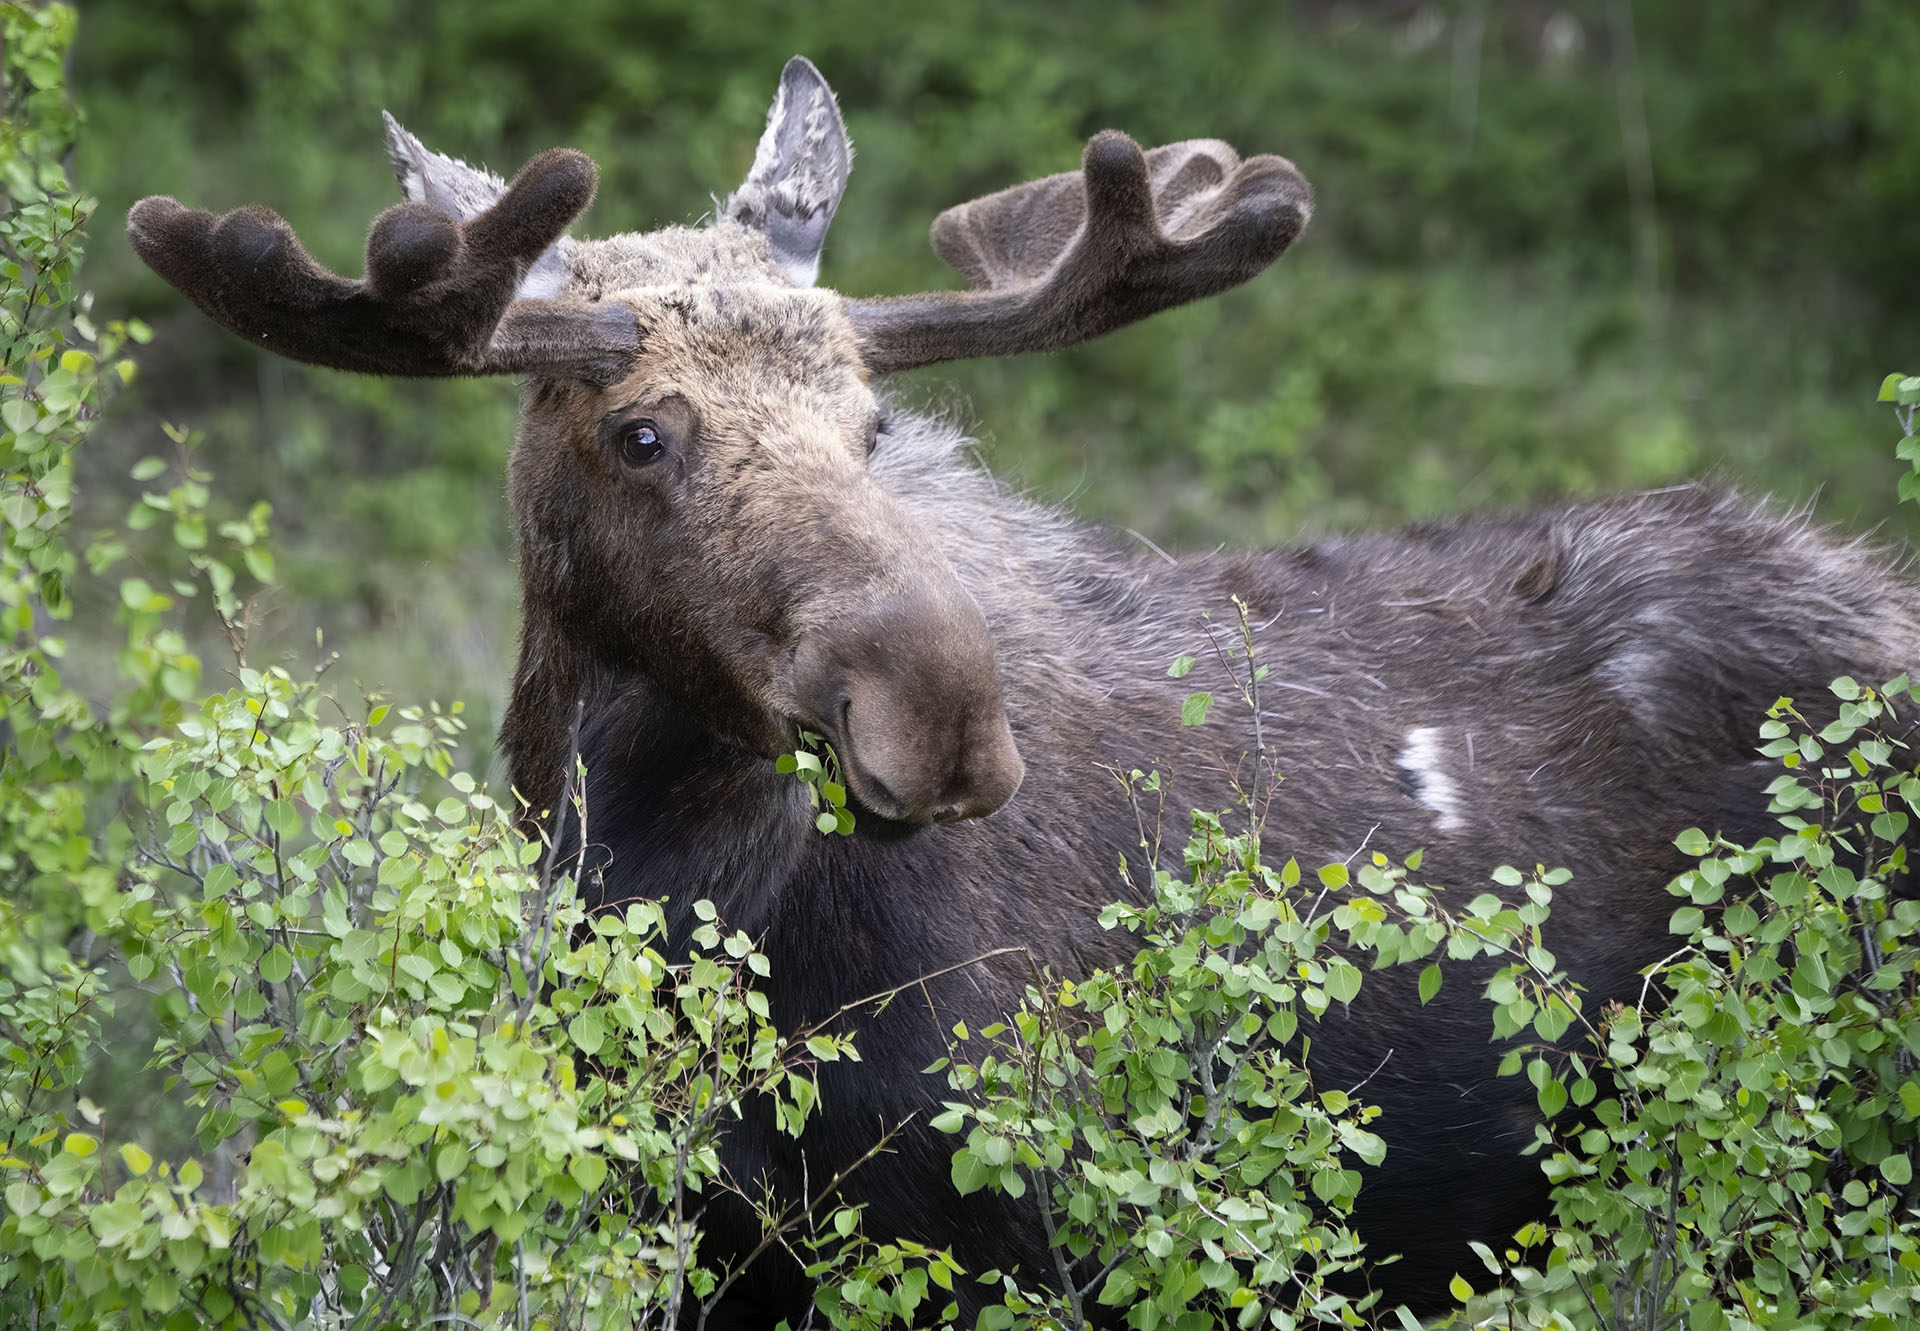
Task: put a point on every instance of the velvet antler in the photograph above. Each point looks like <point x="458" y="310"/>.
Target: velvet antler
<point x="1071" y="256"/>
<point x="439" y="295"/>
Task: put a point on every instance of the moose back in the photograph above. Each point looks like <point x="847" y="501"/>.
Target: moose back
<point x="729" y="532"/>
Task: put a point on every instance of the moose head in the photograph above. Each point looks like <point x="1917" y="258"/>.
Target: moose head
<point x="691" y="480"/>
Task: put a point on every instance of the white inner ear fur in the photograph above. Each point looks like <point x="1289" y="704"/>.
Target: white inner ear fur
<point x="546" y="279"/>
<point x="798" y="273"/>
<point x="462" y="191"/>
<point x="799" y="168"/>
<point x="766" y="154"/>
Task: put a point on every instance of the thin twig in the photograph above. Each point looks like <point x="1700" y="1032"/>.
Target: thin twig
<point x="553" y="848"/>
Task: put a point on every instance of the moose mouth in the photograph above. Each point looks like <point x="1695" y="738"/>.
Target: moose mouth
<point x="877" y="811"/>
<point x="876" y="808"/>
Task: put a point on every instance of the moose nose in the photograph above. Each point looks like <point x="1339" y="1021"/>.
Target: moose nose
<point x="908" y="693"/>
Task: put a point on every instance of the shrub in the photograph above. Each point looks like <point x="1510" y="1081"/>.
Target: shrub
<point x="1196" y="1174"/>
<point x="1748" y="1162"/>
<point x="427" y="1085"/>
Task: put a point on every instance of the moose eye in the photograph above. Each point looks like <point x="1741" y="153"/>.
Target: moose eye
<point x="640" y="443"/>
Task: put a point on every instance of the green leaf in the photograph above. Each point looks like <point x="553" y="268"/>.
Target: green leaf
<point x="19" y="509"/>
<point x="137" y="1160"/>
<point x="114" y="1222"/>
<point x="1343" y="982"/>
<point x="1693" y="842"/>
<point x="588" y="1031"/>
<point x="970" y="1172"/>
<point x="19" y="414"/>
<point x="1460" y="1289"/>
<point x="823" y="1048"/>
<point x="1193" y="711"/>
<point x="1897" y="1170"/>
<point x="589" y="1171"/>
<point x="450" y="1162"/>
<point x="1429" y="983"/>
<point x="1181" y="665"/>
<point x="283" y="817"/>
<point x="1890" y="387"/>
<point x="136" y="593"/>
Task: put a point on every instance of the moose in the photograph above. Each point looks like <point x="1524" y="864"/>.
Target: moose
<point x="729" y="532"/>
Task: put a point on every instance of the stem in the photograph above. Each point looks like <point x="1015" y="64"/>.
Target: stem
<point x="546" y="867"/>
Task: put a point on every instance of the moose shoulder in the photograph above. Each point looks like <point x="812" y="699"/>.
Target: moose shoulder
<point x="729" y="532"/>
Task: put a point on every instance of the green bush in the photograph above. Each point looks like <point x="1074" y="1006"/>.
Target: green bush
<point x="1748" y="1162"/>
<point x="426" y="1084"/>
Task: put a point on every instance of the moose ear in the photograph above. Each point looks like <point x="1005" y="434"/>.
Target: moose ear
<point x="463" y="192"/>
<point x="799" y="172"/>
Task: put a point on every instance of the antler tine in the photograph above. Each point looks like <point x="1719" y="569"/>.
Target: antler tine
<point x="436" y="297"/>
<point x="1066" y="258"/>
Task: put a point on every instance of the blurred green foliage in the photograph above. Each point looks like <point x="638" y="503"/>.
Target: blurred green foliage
<point x="1560" y="247"/>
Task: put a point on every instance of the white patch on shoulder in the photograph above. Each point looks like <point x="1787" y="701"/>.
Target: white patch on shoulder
<point x="1420" y="759"/>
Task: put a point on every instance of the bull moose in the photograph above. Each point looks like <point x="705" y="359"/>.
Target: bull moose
<point x="729" y="531"/>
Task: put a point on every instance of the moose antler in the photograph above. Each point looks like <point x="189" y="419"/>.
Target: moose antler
<point x="1071" y="256"/>
<point x="438" y="297"/>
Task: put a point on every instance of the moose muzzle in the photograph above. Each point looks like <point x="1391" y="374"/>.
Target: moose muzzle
<point x="908" y="694"/>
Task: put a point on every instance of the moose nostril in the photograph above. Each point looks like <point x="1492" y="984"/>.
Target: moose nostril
<point x="951" y="813"/>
